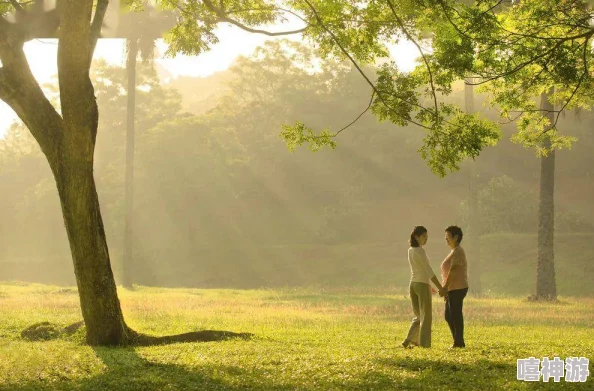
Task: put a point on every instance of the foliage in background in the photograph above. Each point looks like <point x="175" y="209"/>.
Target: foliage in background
<point x="506" y="205"/>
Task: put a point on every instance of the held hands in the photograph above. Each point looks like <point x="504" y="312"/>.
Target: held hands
<point x="443" y="292"/>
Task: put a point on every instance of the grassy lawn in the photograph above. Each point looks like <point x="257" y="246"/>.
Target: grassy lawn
<point x="303" y="339"/>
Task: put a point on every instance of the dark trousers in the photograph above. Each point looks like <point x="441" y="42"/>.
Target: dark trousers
<point x="453" y="314"/>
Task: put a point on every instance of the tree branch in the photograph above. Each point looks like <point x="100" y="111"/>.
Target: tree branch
<point x="575" y="90"/>
<point x="410" y="38"/>
<point x="77" y="98"/>
<point x="5" y="28"/>
<point x="20" y="91"/>
<point x="354" y="121"/>
<point x="97" y="23"/>
<point x="222" y="17"/>
<point x="359" y="116"/>
<point x="352" y="60"/>
<point x="521" y="66"/>
<point x="236" y="11"/>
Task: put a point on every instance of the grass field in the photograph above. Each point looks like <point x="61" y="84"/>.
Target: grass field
<point x="302" y="339"/>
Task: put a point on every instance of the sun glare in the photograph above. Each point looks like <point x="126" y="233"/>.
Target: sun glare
<point x="234" y="42"/>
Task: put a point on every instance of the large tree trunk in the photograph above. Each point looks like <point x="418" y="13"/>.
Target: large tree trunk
<point x="82" y="217"/>
<point x="128" y="256"/>
<point x="68" y="142"/>
<point x="545" y="276"/>
<point x="74" y="176"/>
<point x="474" y="213"/>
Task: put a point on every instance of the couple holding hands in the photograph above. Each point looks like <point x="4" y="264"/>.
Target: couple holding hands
<point x="454" y="287"/>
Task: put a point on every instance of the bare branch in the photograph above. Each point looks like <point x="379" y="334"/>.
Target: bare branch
<point x="353" y="122"/>
<point x="256" y="31"/>
<point x="360" y="115"/>
<point x="265" y="9"/>
<point x="222" y="17"/>
<point x="577" y="87"/>
<point x="512" y="119"/>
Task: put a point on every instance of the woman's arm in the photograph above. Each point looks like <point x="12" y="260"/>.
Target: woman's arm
<point x="429" y="271"/>
<point x="437" y="284"/>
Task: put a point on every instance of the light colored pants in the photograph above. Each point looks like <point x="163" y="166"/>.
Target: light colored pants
<point x="420" y="328"/>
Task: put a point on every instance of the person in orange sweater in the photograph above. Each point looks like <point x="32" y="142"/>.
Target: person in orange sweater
<point x="454" y="274"/>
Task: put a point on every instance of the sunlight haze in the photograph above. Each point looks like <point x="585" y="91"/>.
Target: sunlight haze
<point x="233" y="42"/>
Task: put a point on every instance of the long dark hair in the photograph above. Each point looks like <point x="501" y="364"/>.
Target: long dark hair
<point x="417" y="231"/>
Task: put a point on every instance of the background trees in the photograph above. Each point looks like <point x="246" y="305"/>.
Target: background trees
<point x="221" y="202"/>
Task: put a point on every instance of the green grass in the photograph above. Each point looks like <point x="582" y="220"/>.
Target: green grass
<point x="303" y="339"/>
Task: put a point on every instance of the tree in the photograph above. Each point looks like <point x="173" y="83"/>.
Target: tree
<point x="474" y="212"/>
<point x="142" y="28"/>
<point x="127" y="258"/>
<point x="526" y="49"/>
<point x="545" y="271"/>
<point x="546" y="52"/>
<point x="67" y="139"/>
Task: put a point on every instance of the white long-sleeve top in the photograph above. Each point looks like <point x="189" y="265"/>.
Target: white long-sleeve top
<point x="420" y="270"/>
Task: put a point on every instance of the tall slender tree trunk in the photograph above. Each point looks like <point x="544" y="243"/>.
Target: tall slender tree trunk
<point x="68" y="142"/>
<point x="474" y="212"/>
<point x="545" y="275"/>
<point x="128" y="256"/>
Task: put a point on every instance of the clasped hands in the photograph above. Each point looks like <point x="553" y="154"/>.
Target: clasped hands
<point x="443" y="292"/>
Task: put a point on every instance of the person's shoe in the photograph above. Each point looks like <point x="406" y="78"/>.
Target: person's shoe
<point x="455" y="346"/>
<point x="408" y="344"/>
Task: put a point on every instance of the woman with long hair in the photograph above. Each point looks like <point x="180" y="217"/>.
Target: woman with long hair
<point x="420" y="290"/>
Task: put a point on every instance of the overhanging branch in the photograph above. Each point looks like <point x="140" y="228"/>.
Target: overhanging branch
<point x="265" y="9"/>
<point x="359" y="116"/>
<point x="352" y="60"/>
<point x="223" y="17"/>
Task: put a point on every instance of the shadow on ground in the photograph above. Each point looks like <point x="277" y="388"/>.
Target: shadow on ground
<point x="194" y="336"/>
<point x="46" y="331"/>
<point x="126" y="369"/>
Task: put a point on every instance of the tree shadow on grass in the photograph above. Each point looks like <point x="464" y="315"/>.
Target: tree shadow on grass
<point x="45" y="331"/>
<point x="126" y="369"/>
<point x="194" y="336"/>
<point x="481" y="374"/>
